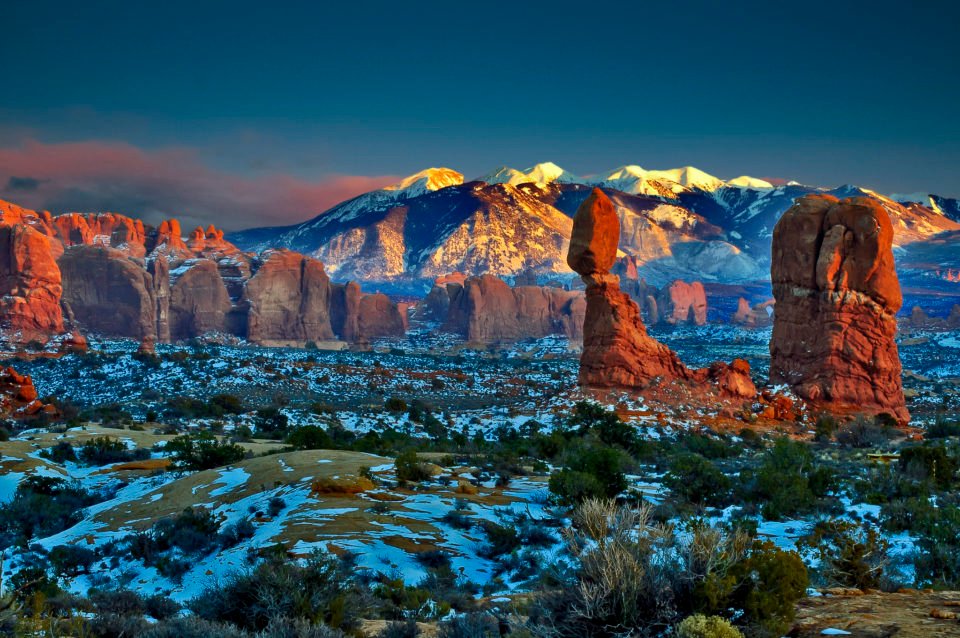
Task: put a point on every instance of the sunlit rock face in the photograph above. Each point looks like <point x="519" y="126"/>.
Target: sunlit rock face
<point x="617" y="351"/>
<point x="837" y="296"/>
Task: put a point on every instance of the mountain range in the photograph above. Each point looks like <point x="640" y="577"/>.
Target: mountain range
<point x="678" y="223"/>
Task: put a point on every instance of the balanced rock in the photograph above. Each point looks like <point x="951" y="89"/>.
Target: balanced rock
<point x="837" y="296"/>
<point x="617" y="351"/>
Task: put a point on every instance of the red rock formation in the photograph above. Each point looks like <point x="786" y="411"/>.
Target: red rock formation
<point x="378" y="317"/>
<point x="757" y="316"/>
<point x="169" y="236"/>
<point x="108" y="292"/>
<point x="486" y="310"/>
<point x="837" y="297"/>
<point x="30" y="288"/>
<point x="682" y="302"/>
<point x="617" y="351"/>
<point x="199" y="302"/>
<point x="289" y="300"/>
<point x="18" y="397"/>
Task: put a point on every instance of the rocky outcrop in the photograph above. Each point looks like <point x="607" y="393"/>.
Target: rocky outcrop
<point x="30" y="288"/>
<point x="753" y="316"/>
<point x="486" y="310"/>
<point x="682" y="302"/>
<point x="617" y="351"/>
<point x="289" y="300"/>
<point x="837" y="298"/>
<point x="199" y="301"/>
<point x="18" y="397"/>
<point x="378" y="317"/>
<point x="108" y="292"/>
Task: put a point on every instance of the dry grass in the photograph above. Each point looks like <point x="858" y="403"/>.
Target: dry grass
<point x="341" y="486"/>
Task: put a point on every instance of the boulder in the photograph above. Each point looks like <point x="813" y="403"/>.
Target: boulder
<point x="18" y="397"/>
<point x="837" y="296"/>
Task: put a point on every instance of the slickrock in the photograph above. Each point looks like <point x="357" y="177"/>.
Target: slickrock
<point x="837" y="297"/>
<point x="617" y="351"/>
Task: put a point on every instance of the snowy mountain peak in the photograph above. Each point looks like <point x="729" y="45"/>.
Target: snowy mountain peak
<point x="430" y="179"/>
<point x="548" y="172"/>
<point x="745" y="181"/>
<point x="688" y="176"/>
<point x="504" y="175"/>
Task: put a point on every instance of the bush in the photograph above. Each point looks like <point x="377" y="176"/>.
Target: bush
<point x="59" y="453"/>
<point x="202" y="451"/>
<point x="941" y="429"/>
<point x="410" y="468"/>
<point x="192" y="627"/>
<point x="473" y="625"/>
<point x="697" y="480"/>
<point x="41" y="506"/>
<point x="310" y="437"/>
<point x="864" y="433"/>
<point x="700" y="626"/>
<point x="929" y="463"/>
<point x="71" y="560"/>
<point x="848" y="555"/>
<point x="788" y="481"/>
<point x="590" y="471"/>
<point x="406" y="629"/>
<point x="104" y="450"/>
<point x="322" y="591"/>
<point x="634" y="577"/>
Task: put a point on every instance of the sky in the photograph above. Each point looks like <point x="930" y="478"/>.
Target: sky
<point x="247" y="114"/>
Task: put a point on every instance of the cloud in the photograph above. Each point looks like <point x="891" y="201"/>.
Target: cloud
<point x="160" y="184"/>
<point x="16" y="183"/>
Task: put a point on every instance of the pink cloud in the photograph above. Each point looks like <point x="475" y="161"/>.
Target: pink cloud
<point x="170" y="182"/>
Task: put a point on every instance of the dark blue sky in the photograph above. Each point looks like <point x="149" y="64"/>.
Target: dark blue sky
<point x="825" y="93"/>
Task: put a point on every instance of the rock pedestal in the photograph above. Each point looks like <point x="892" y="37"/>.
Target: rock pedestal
<point x="837" y="297"/>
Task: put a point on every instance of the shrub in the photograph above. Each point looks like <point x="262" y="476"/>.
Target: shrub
<point x="202" y="451"/>
<point x="71" y="560"/>
<point x="788" y="481"/>
<point x="410" y="468"/>
<point x="937" y="562"/>
<point x="59" y="453"/>
<point x="849" y="555"/>
<point x="192" y="627"/>
<point x="275" y="506"/>
<point x="700" y="626"/>
<point x="395" y="404"/>
<point x="634" y="577"/>
<point x="104" y="450"/>
<point x="864" y="433"/>
<point x="320" y="591"/>
<point x="472" y="625"/>
<point x="940" y="429"/>
<point x="310" y="437"/>
<point x="590" y="471"/>
<point x="929" y="463"/>
<point x="41" y="506"/>
<point x="270" y="421"/>
<point x="697" y="480"/>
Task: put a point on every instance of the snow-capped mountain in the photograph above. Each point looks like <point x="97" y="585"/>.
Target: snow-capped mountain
<point x="678" y="223"/>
